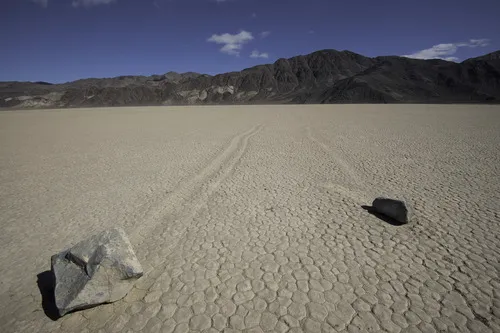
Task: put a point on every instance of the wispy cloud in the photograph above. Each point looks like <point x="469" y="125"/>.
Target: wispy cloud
<point x="311" y="31"/>
<point x="257" y="54"/>
<point x="232" y="44"/>
<point x="78" y="3"/>
<point x="90" y="3"/>
<point x="264" y="34"/>
<point x="254" y="15"/>
<point x="43" y="3"/>
<point x="447" y="50"/>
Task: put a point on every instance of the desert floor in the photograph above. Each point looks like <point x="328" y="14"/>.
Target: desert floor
<point x="249" y="218"/>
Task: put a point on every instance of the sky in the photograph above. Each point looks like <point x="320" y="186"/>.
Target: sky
<point x="63" y="40"/>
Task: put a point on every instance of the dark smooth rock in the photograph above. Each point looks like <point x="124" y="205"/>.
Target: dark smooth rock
<point x="398" y="210"/>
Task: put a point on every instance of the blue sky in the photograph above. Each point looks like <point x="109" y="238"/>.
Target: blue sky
<point x="64" y="40"/>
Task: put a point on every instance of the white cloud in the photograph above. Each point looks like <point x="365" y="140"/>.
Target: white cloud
<point x="89" y="3"/>
<point x="311" y="31"/>
<point x="232" y="43"/>
<point x="475" y="43"/>
<point x="447" y="50"/>
<point x="78" y="3"/>
<point x="264" y="34"/>
<point x="43" y="3"/>
<point x="254" y="15"/>
<point x="256" y="54"/>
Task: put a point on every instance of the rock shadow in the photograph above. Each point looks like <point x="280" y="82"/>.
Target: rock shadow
<point x="46" y="282"/>
<point x="382" y="217"/>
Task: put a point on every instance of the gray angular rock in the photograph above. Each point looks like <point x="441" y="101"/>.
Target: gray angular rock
<point x="398" y="210"/>
<point x="100" y="269"/>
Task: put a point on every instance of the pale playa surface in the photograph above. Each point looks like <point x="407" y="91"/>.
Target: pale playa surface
<point x="250" y="217"/>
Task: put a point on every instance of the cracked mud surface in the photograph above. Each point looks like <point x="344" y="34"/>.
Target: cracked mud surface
<point x="249" y="218"/>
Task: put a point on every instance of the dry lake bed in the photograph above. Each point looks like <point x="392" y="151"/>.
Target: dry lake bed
<point x="249" y="218"/>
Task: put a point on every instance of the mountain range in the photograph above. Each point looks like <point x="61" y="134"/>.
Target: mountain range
<point x="326" y="76"/>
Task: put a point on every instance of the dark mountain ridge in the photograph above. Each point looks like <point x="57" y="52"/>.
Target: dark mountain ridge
<point x="325" y="76"/>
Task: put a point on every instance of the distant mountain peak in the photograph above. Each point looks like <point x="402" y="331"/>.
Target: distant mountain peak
<point x="490" y="56"/>
<point x="324" y="76"/>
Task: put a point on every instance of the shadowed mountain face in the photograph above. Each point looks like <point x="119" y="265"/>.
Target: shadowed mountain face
<point x="326" y="76"/>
